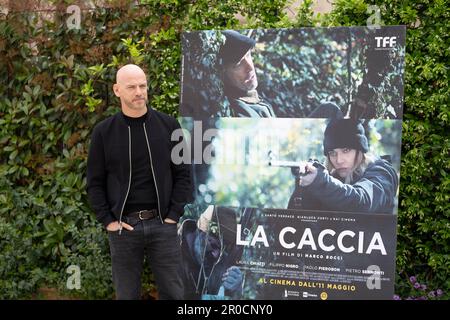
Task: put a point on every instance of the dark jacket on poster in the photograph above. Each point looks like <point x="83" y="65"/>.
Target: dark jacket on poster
<point x="192" y="273"/>
<point x="109" y="172"/>
<point x="373" y="192"/>
<point x="247" y="104"/>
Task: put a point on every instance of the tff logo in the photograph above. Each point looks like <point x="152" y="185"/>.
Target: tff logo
<point x="384" y="43"/>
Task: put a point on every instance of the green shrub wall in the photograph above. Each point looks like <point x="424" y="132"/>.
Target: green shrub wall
<point x="55" y="85"/>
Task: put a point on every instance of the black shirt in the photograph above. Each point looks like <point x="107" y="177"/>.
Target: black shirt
<point x="142" y="195"/>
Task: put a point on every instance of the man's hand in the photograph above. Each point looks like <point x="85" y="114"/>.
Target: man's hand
<point x="170" y="221"/>
<point x="311" y="174"/>
<point x="114" y="226"/>
<point x="232" y="279"/>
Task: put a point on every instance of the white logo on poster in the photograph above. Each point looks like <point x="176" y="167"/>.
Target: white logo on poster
<point x="309" y="295"/>
<point x="385" y="43"/>
<point x="288" y="293"/>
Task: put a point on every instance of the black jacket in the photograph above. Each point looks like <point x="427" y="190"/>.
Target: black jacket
<point x="243" y="108"/>
<point x="373" y="192"/>
<point x="108" y="167"/>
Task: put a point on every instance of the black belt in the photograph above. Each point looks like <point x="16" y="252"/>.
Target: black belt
<point x="134" y="217"/>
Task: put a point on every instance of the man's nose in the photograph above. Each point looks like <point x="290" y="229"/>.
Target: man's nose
<point x="248" y="65"/>
<point x="139" y="91"/>
<point x="339" y="158"/>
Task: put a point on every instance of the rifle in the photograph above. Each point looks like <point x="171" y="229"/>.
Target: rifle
<point x="298" y="168"/>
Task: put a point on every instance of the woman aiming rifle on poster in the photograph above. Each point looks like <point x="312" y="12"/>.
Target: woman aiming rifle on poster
<point x="352" y="179"/>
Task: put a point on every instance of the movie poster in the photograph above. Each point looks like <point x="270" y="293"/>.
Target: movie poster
<point x="294" y="139"/>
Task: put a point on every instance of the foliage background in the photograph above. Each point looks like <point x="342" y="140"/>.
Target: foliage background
<point x="55" y="85"/>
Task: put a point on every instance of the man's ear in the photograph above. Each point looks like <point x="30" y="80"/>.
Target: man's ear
<point x="116" y="89"/>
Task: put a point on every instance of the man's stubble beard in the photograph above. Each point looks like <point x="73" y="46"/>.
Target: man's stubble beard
<point x="131" y="105"/>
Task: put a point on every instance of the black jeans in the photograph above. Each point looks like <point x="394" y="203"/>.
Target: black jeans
<point x="159" y="244"/>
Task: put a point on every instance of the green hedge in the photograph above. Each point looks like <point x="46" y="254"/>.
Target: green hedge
<point x="55" y="85"/>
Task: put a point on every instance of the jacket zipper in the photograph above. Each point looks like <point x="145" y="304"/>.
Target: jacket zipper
<point x="153" y="172"/>
<point x="129" y="181"/>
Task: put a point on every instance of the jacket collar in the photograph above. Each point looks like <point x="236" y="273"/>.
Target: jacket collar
<point x="150" y="112"/>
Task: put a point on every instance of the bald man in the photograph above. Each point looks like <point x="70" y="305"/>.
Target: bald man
<point x="136" y="191"/>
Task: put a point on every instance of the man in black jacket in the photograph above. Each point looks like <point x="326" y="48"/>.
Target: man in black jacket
<point x="136" y="191"/>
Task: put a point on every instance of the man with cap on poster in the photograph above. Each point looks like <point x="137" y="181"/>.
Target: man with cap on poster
<point x="239" y="77"/>
<point x="352" y="180"/>
<point x="240" y="81"/>
<point x="209" y="255"/>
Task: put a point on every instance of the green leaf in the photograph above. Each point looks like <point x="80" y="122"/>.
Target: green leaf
<point x="66" y="153"/>
<point x="13" y="155"/>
